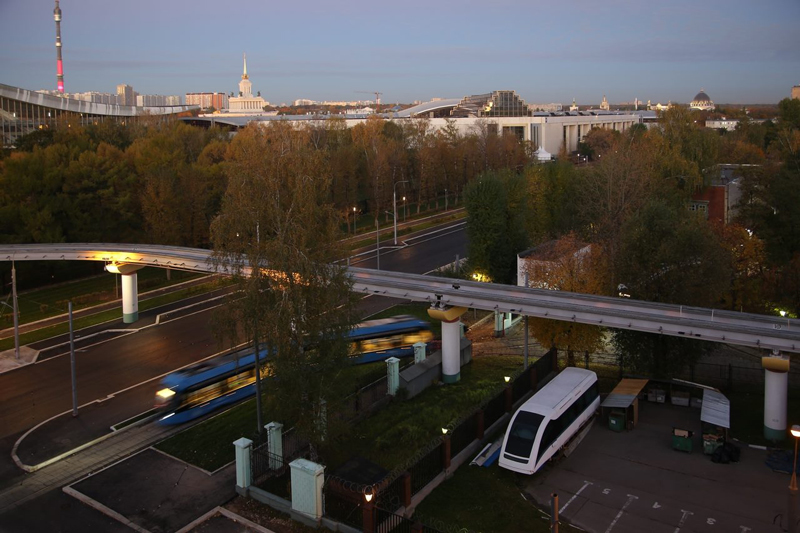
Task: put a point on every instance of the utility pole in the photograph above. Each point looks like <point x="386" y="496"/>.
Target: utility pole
<point x="378" y="241"/>
<point x="394" y="201"/>
<point x="72" y="363"/>
<point x="16" y="313"/>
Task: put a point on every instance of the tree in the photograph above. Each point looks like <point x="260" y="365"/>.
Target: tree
<point x="279" y="237"/>
<point x="567" y="265"/>
<point x="668" y="255"/>
<point x="495" y="224"/>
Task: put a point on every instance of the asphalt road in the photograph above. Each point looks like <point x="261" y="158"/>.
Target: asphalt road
<point x="34" y="393"/>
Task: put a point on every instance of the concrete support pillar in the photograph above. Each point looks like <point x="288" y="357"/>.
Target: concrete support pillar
<point x="307" y="481"/>
<point x="243" y="470"/>
<point x="275" y="444"/>
<point x="392" y="375"/>
<point x="130" y="298"/>
<point x="498" y="324"/>
<point x="420" y="349"/>
<point x="451" y="352"/>
<point x="776" y="386"/>
<point x="451" y="341"/>
<point x="130" y="295"/>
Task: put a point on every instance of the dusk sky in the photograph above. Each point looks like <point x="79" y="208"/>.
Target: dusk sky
<point x="739" y="51"/>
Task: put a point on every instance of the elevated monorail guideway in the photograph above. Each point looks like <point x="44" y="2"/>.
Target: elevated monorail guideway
<point x="760" y="331"/>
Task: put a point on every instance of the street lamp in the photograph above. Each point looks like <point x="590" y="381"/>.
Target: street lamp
<point x="795" y="431"/>
<point x="354" y="220"/>
<point x="394" y="201"/>
<point x="404" y="208"/>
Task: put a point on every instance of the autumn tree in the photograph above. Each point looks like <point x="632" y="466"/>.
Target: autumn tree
<point x="567" y="264"/>
<point x="495" y="224"/>
<point x="278" y="235"/>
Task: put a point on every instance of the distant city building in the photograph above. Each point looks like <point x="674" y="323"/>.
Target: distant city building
<point x="604" y="104"/>
<point x="796" y="92"/>
<point x="126" y="94"/>
<point x="303" y="101"/>
<point x="498" y="112"/>
<point x="728" y="124"/>
<point x="658" y="106"/>
<point x="155" y="100"/>
<point x="23" y="111"/>
<point x="702" y="102"/>
<point x="574" y="106"/>
<point x="246" y="102"/>
<point x="97" y="97"/>
<point x="719" y="201"/>
<point x="547" y="108"/>
<point x="205" y="100"/>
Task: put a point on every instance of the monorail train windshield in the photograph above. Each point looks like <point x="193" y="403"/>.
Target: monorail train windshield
<point x="522" y="434"/>
<point x="201" y="388"/>
<point x="549" y="420"/>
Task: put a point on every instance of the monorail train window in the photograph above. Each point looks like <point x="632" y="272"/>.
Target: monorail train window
<point x="418" y="336"/>
<point x="523" y="433"/>
<point x="203" y="395"/>
<point x="556" y="427"/>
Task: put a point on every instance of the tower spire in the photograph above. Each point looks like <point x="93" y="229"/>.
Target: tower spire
<point x="245" y="76"/>
<point x="59" y="66"/>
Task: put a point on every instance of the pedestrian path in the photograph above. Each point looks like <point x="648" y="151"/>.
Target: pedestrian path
<point x="82" y="463"/>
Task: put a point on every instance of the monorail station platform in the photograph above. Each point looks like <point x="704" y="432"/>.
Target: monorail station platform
<point x="634" y="481"/>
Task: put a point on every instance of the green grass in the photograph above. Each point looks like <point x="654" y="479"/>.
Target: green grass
<point x="488" y="500"/>
<point x="399" y="431"/>
<point x="387" y="232"/>
<point x="105" y="316"/>
<point x="209" y="445"/>
<point x="52" y="300"/>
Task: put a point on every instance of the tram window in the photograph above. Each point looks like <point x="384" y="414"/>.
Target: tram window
<point x="523" y="433"/>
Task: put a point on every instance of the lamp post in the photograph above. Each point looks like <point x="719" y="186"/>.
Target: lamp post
<point x="404" y="208"/>
<point x="394" y="201"/>
<point x="354" y="220"/>
<point x="791" y="515"/>
<point x="445" y="199"/>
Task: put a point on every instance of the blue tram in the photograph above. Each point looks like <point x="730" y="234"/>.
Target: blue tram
<point x="201" y="388"/>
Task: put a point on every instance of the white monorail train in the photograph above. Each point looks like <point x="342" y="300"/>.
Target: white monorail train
<point x="549" y="419"/>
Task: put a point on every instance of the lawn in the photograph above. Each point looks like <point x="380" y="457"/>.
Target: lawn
<point x="52" y="300"/>
<point x="485" y="499"/>
<point x="396" y="433"/>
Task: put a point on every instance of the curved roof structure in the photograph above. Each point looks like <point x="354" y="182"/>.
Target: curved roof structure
<point x="702" y="101"/>
<point x="23" y="111"/>
<point x="428" y="107"/>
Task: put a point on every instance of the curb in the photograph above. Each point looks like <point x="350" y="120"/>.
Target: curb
<point x="102" y="508"/>
<point x="33" y="468"/>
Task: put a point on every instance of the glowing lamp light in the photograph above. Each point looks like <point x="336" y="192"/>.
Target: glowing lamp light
<point x="165" y="394"/>
<point x="783" y="313"/>
<point x="795" y="431"/>
<point x="507" y="378"/>
<point x="444" y="431"/>
<point x="368" y="495"/>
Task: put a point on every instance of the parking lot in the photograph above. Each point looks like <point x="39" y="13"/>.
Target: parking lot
<point x="634" y="481"/>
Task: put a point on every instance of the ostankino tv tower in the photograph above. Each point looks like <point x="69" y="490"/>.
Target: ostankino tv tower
<point x="59" y="66"/>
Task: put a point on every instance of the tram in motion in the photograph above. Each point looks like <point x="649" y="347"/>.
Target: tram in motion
<point x="201" y="388"/>
<point x="549" y="419"/>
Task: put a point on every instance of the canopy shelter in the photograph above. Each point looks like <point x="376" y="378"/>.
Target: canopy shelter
<point x="625" y="397"/>
<point x="716" y="409"/>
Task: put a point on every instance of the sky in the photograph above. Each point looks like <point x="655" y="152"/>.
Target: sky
<point x="738" y="51"/>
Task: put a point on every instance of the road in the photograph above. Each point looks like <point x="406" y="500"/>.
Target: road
<point x="35" y="393"/>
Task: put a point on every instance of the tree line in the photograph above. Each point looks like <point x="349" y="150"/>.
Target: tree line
<point x="631" y="202"/>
